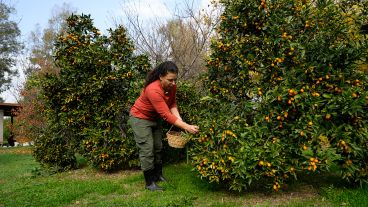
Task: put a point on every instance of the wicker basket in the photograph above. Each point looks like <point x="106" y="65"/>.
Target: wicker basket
<point x="175" y="139"/>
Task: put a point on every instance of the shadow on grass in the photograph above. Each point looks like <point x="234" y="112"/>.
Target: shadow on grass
<point x="317" y="189"/>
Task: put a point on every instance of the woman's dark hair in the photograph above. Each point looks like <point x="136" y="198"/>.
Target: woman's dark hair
<point x="161" y="70"/>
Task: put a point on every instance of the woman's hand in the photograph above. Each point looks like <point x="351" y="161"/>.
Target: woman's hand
<point x="193" y="129"/>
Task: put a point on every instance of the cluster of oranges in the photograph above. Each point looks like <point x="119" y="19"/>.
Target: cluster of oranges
<point x="260" y="92"/>
<point x="277" y="60"/>
<point x="111" y="77"/>
<point x="262" y="163"/>
<point x="348" y="163"/>
<point x="222" y="46"/>
<point x="214" y="62"/>
<point x="312" y="164"/>
<point x="70" y="36"/>
<point x="267" y="118"/>
<point x="307" y="25"/>
<point x="281" y="117"/>
<point x="263" y="4"/>
<point x="90" y="146"/>
<point x="107" y="165"/>
<point x="292" y="93"/>
<point x="354" y="82"/>
<point x="223" y="18"/>
<point x="268" y="170"/>
<point x="75" y="41"/>
<point x="236" y="17"/>
<point x="128" y="74"/>
<point x="286" y="36"/>
<point x="105" y="161"/>
<point x="319" y="80"/>
<point x="214" y="170"/>
<point x="203" y="138"/>
<point x="276" y="186"/>
<point x="104" y="156"/>
<point x="343" y="146"/>
<point x="315" y="94"/>
<point x="228" y="132"/>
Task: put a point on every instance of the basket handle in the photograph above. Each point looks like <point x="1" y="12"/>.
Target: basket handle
<point x="170" y="128"/>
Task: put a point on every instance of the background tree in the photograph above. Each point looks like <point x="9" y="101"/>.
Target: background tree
<point x="10" y="46"/>
<point x="184" y="39"/>
<point x="185" y="47"/>
<point x="31" y="121"/>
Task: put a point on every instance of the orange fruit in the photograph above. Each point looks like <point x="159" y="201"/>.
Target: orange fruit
<point x="260" y="163"/>
<point x="328" y="116"/>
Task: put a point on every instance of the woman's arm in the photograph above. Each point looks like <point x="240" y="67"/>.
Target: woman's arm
<point x="175" y="112"/>
<point x="180" y="123"/>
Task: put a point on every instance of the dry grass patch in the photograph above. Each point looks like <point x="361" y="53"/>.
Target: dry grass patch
<point x="88" y="173"/>
<point x="16" y="150"/>
<point x="297" y="195"/>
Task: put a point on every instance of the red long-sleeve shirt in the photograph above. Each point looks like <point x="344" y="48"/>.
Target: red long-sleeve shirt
<point x="154" y="103"/>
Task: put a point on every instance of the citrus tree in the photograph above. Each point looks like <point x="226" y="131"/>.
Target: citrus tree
<point x="87" y="103"/>
<point x="286" y="95"/>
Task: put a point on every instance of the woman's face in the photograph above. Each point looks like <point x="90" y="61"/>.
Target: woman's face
<point x="168" y="81"/>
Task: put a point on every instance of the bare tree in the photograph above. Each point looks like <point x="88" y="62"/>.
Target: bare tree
<point x="41" y="44"/>
<point x="183" y="38"/>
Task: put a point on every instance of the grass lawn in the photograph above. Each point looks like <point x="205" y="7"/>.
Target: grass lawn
<point x="23" y="183"/>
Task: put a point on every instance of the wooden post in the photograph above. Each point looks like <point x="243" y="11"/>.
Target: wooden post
<point x="1" y="127"/>
<point x="186" y="149"/>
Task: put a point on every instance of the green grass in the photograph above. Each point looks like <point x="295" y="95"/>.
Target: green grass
<point x="23" y="183"/>
<point x="346" y="196"/>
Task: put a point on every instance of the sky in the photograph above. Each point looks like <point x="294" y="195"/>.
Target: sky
<point x="31" y="14"/>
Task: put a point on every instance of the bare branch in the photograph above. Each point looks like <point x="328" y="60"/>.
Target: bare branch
<point x="183" y="38"/>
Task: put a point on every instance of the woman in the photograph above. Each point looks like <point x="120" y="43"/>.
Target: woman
<point x="157" y="101"/>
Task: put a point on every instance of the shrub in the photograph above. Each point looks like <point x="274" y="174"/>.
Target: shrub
<point x="54" y="151"/>
<point x="287" y="94"/>
<point x="106" y="150"/>
<point x="88" y="101"/>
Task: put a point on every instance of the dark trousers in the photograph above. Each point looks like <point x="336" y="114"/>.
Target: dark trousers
<point x="148" y="137"/>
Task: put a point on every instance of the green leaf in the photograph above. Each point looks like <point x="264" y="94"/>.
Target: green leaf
<point x="307" y="153"/>
<point x="326" y="95"/>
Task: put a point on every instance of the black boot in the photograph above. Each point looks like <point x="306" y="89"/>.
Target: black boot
<point x="151" y="185"/>
<point x="158" y="173"/>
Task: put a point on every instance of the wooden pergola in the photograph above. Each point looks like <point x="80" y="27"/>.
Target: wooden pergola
<point x="7" y="109"/>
